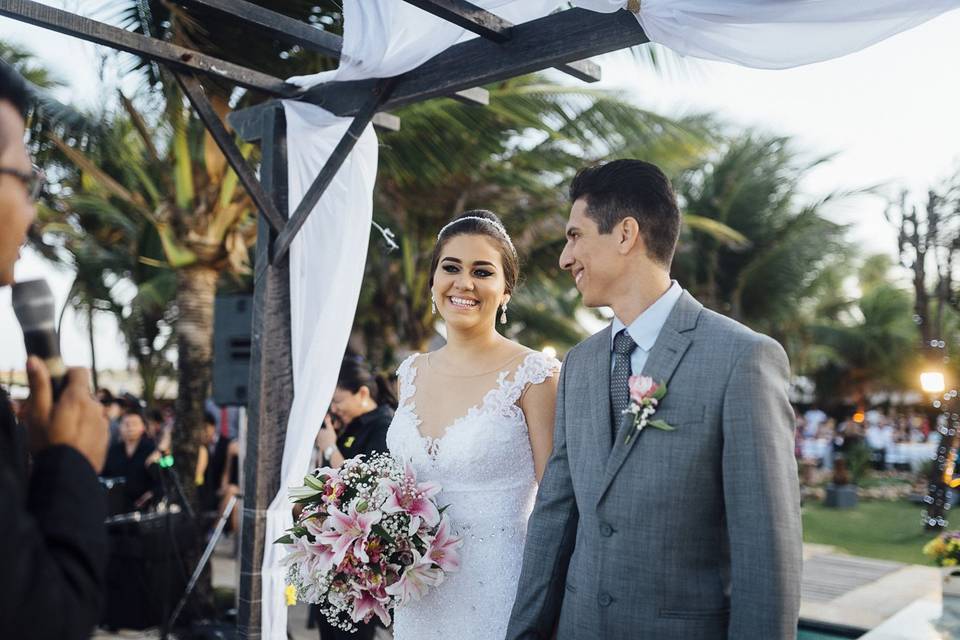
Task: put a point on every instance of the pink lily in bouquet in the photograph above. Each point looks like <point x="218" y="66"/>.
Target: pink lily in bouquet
<point x="443" y="550"/>
<point x="345" y="530"/>
<point x="366" y="605"/>
<point x="416" y="579"/>
<point x="407" y="496"/>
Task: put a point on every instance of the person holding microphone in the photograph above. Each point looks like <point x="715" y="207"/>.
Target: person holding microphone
<point x="53" y="543"/>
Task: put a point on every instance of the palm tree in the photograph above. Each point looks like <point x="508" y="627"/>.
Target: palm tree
<point x="872" y="346"/>
<point x="751" y="186"/>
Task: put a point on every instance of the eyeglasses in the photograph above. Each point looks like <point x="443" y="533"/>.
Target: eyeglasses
<point x="33" y="181"/>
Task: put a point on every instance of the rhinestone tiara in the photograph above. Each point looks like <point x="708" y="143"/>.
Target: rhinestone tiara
<point x="496" y="225"/>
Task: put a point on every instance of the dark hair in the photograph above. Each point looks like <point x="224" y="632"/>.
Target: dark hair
<point x="134" y="411"/>
<point x="14" y="89"/>
<point x="466" y="224"/>
<point x="354" y="373"/>
<point x="209" y="418"/>
<point x="632" y="188"/>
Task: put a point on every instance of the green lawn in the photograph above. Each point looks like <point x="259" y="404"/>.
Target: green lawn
<point x="874" y="529"/>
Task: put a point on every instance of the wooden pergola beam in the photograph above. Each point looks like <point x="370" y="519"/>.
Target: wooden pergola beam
<point x="469" y="16"/>
<point x="293" y="31"/>
<point x="486" y="24"/>
<point x="176" y="56"/>
<point x="476" y="96"/>
<point x="569" y="35"/>
<point x="275" y="24"/>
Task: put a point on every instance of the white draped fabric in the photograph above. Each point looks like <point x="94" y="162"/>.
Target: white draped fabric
<point x="385" y="38"/>
<point x="327" y="260"/>
<point x="774" y="34"/>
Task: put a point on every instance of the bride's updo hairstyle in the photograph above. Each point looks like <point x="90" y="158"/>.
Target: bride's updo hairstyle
<point x="480" y="222"/>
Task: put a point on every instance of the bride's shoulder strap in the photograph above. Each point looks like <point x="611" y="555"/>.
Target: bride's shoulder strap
<point x="405" y="376"/>
<point x="535" y="368"/>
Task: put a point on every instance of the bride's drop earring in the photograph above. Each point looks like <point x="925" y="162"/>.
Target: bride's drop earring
<point x="433" y="307"/>
<point x="503" y="314"/>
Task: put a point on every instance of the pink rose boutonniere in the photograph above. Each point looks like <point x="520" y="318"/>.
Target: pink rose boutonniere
<point x="645" y="395"/>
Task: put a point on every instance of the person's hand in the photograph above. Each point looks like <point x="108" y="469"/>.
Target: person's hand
<point x="327" y="436"/>
<point x="76" y="420"/>
<point x="143" y="500"/>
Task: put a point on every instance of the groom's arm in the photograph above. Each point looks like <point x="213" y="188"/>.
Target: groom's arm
<point x="761" y="494"/>
<point x="551" y="532"/>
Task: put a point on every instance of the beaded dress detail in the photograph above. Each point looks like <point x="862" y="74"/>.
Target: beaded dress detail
<point x="484" y="463"/>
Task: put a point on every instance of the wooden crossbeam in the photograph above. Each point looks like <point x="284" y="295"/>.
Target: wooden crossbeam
<point x="469" y="16"/>
<point x="248" y="122"/>
<point x="294" y="31"/>
<point x="194" y="92"/>
<point x="179" y="57"/>
<point x="276" y="24"/>
<point x="586" y="70"/>
<point x="492" y="27"/>
<point x="476" y="96"/>
<point x="559" y="38"/>
<point x="337" y="157"/>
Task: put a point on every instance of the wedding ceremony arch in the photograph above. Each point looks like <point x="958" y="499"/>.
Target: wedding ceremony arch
<point x="318" y="165"/>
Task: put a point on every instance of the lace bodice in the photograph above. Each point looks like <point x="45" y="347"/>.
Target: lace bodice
<point x="484" y="463"/>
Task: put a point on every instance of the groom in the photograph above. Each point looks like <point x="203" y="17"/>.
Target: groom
<point x="692" y="533"/>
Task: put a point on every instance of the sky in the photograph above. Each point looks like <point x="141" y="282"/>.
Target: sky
<point x="888" y="115"/>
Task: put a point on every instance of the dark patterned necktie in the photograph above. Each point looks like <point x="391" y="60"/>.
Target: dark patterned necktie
<point x="623" y="346"/>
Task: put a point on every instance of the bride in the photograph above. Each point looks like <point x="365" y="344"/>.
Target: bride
<point x="475" y="416"/>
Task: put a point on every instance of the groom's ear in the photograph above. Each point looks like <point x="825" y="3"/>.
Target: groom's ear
<point x="628" y="235"/>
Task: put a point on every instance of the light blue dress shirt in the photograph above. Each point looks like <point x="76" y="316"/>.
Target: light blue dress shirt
<point x="645" y="329"/>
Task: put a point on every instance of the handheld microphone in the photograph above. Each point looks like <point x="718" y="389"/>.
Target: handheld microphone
<point x="35" y="309"/>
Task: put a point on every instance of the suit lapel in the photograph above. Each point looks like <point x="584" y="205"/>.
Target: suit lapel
<point x="667" y="352"/>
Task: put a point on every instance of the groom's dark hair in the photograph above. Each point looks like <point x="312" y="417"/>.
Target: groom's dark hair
<point x="632" y="188"/>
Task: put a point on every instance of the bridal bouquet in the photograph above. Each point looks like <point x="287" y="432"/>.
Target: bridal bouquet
<point x="369" y="538"/>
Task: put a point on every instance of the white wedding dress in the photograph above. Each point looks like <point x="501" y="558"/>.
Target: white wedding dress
<point x="484" y="464"/>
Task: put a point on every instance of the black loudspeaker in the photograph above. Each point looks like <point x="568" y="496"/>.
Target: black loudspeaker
<point x="232" y="329"/>
<point x="145" y="575"/>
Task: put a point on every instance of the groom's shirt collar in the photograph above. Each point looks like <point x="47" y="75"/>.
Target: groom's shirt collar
<point x="645" y="329"/>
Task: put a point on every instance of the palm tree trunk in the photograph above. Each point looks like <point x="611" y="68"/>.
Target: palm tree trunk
<point x="196" y="288"/>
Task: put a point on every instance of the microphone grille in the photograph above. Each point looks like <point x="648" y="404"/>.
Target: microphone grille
<point x="33" y="304"/>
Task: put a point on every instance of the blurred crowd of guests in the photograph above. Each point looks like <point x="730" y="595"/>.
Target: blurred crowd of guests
<point x="889" y="436"/>
<point x="137" y="469"/>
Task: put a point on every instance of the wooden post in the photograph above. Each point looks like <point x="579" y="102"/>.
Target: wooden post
<point x="271" y="380"/>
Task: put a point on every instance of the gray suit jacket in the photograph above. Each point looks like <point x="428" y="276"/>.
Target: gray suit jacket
<point x="693" y="533"/>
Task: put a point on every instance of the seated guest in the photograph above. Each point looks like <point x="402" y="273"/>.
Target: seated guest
<point x="130" y="457"/>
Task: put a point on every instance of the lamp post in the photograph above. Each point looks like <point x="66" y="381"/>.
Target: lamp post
<point x="933" y="383"/>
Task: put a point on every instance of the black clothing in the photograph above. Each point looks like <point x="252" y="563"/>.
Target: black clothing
<point x="366" y="434"/>
<point x="213" y="474"/>
<point x="133" y="470"/>
<point x="53" y="544"/>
